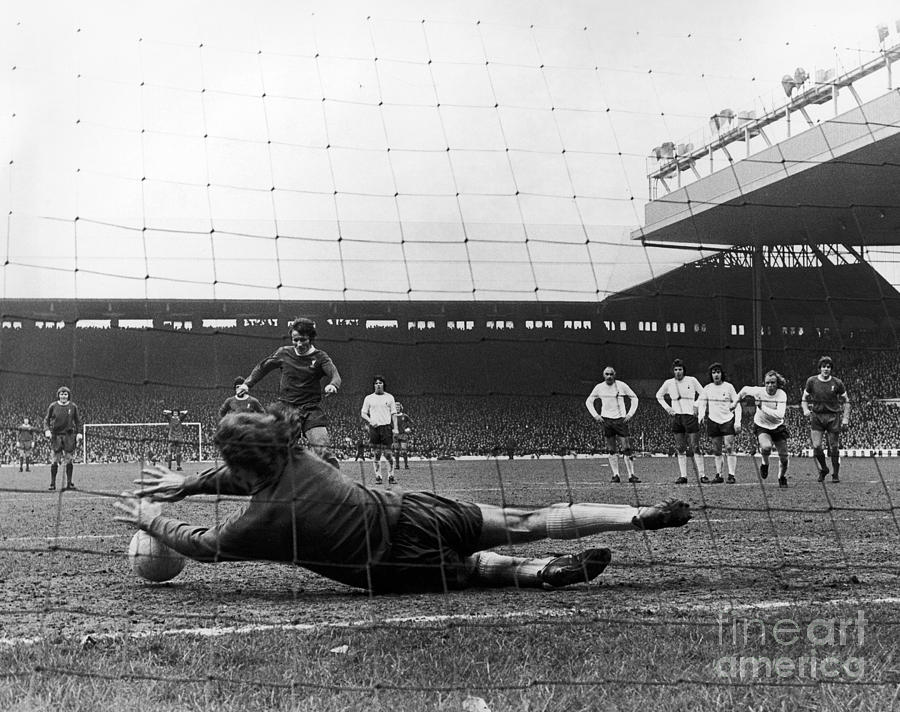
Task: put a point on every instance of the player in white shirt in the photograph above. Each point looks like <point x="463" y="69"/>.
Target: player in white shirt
<point x="614" y="418"/>
<point x="768" y="422"/>
<point x="714" y="406"/>
<point x="682" y="392"/>
<point x="378" y="411"/>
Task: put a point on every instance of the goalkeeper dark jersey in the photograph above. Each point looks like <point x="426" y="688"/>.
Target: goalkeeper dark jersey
<point x="301" y="375"/>
<point x="309" y="514"/>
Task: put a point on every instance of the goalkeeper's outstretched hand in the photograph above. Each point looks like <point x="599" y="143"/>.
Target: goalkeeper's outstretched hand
<point x="160" y="484"/>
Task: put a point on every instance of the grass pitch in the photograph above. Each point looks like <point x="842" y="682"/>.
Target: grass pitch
<point x="768" y="599"/>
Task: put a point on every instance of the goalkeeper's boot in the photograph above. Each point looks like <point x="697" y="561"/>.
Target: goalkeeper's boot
<point x="671" y="513"/>
<point x="378" y="479"/>
<point x="575" y="568"/>
<point x="782" y="481"/>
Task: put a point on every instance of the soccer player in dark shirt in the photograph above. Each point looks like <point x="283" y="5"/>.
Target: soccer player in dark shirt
<point x="25" y="444"/>
<point x="62" y="426"/>
<point x="304" y="510"/>
<point x="176" y="435"/>
<point x="826" y="403"/>
<point x="403" y="426"/>
<point x="244" y="403"/>
<point x="302" y="366"/>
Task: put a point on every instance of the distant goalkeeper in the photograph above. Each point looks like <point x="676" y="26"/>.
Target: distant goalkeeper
<point x="63" y="427"/>
<point x="304" y="510"/>
<point x="175" y="436"/>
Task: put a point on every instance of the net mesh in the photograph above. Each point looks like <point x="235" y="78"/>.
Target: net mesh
<point x="453" y="199"/>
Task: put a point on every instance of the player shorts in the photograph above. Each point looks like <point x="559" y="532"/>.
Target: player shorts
<point x="779" y="434"/>
<point x="26" y="448"/>
<point x="429" y="545"/>
<point x="719" y="430"/>
<point x="825" y="422"/>
<point x="175" y="446"/>
<point x="302" y="418"/>
<point x="615" y="428"/>
<point x="381" y="435"/>
<point x="682" y="423"/>
<point x="63" y="442"/>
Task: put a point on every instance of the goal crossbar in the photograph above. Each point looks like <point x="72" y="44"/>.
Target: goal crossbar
<point x="84" y="438"/>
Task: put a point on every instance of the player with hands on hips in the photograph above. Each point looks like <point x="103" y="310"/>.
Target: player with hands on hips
<point x="614" y="418"/>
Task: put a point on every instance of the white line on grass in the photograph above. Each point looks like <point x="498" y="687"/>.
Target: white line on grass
<point x="459" y="617"/>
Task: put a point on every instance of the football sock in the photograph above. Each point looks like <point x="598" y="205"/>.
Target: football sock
<point x="570" y="521"/>
<point x="819" y="455"/>
<point x="719" y="459"/>
<point x="493" y="569"/>
<point x="835" y="461"/>
<point x="732" y="464"/>
<point x="613" y="464"/>
<point x="629" y="465"/>
<point x="69" y="469"/>
<point x="682" y="464"/>
<point x="54" y="468"/>
<point x="701" y="466"/>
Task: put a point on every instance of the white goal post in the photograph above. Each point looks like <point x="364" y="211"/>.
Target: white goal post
<point x="163" y="437"/>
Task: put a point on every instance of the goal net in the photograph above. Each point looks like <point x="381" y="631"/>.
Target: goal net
<point x="478" y="201"/>
<point x="138" y="442"/>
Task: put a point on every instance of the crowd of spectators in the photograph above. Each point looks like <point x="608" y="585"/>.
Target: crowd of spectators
<point x="449" y="425"/>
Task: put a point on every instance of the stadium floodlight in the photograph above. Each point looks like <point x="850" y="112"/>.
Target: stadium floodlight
<point x="722" y="120"/>
<point x="787" y="83"/>
<point x="667" y="149"/>
<point x="882" y="32"/>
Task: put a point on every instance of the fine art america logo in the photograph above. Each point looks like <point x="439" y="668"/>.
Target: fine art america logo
<point x="824" y="645"/>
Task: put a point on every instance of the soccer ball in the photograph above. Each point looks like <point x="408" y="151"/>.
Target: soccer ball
<point x="152" y="560"/>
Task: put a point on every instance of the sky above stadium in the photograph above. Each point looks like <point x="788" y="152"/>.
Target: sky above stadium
<point x="371" y="150"/>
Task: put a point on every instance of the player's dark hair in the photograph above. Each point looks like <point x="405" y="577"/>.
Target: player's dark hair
<point x="237" y="382"/>
<point x="779" y="379"/>
<point x="379" y="378"/>
<point x="716" y="366"/>
<point x="304" y="327"/>
<point x="255" y="442"/>
<point x="63" y="389"/>
<point x="677" y="362"/>
<point x="399" y="406"/>
<point x="826" y="360"/>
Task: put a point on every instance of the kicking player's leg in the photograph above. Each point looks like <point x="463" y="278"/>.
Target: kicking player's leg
<point x="511" y="525"/>
<point x="765" y="449"/>
<point x="318" y="439"/>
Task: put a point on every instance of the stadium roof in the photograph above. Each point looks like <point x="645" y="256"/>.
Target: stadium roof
<point x="836" y="183"/>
